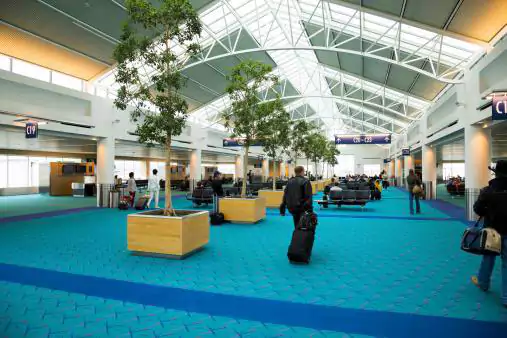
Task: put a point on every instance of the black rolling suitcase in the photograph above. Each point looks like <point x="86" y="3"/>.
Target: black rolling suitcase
<point x="301" y="245"/>
<point x="216" y="217"/>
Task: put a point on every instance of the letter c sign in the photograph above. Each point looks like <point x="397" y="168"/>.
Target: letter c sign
<point x="499" y="108"/>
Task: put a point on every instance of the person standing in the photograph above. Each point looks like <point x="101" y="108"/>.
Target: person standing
<point x="131" y="188"/>
<point x="412" y="182"/>
<point x="297" y="197"/>
<point x="491" y="205"/>
<point x="154" y="188"/>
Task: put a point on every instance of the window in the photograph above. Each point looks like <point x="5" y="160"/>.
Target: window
<point x="346" y="165"/>
<point x="5" y="62"/>
<point x="18" y="171"/>
<point x="30" y="70"/>
<point x="372" y="169"/>
<point x="453" y="170"/>
<point x="3" y="171"/>
<point x="66" y="81"/>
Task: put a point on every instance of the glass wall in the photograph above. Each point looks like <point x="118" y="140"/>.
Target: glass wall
<point x="124" y="167"/>
<point x="19" y="171"/>
<point x="453" y="170"/>
<point x="372" y="169"/>
<point x="346" y="165"/>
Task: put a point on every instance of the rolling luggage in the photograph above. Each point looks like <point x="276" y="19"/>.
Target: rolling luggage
<point x="216" y="217"/>
<point x="303" y="237"/>
<point x="141" y="203"/>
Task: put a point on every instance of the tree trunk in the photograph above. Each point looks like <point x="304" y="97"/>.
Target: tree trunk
<point x="245" y="168"/>
<point x="168" y="210"/>
<point x="274" y="174"/>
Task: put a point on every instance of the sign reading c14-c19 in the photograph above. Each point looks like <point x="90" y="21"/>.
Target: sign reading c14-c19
<point x="363" y="139"/>
<point x="499" y="107"/>
<point x="31" y="130"/>
<point x="238" y="142"/>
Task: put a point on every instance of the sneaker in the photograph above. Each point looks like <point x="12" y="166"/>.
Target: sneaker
<point x="418" y="212"/>
<point x="475" y="281"/>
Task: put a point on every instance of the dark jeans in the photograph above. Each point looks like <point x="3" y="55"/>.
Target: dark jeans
<point x="296" y="216"/>
<point x="132" y="198"/>
<point x="417" y="205"/>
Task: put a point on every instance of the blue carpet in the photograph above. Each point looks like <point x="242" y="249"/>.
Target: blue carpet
<point x="28" y="217"/>
<point x="384" y="264"/>
<point x="387" y="324"/>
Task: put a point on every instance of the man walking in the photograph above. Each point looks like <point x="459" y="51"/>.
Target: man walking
<point x="491" y="205"/>
<point x="297" y="196"/>
<point x="412" y="182"/>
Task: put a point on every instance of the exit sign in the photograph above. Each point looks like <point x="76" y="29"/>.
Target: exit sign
<point x="31" y="130"/>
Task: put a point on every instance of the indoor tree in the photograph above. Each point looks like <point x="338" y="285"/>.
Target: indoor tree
<point x="248" y="114"/>
<point x="316" y="147"/>
<point x="331" y="153"/>
<point x="147" y="42"/>
<point x="299" y="134"/>
<point x="275" y="132"/>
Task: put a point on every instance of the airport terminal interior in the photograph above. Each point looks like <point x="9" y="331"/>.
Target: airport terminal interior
<point x="141" y="180"/>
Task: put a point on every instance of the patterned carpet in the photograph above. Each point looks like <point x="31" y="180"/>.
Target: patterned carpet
<point x="378" y="272"/>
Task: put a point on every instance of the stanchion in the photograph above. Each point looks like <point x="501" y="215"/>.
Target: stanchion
<point x="471" y="195"/>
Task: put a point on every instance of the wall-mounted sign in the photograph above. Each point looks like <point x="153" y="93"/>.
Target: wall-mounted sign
<point x="31" y="130"/>
<point x="499" y="108"/>
<point x="363" y="139"/>
<point x="238" y="142"/>
<point x="405" y="152"/>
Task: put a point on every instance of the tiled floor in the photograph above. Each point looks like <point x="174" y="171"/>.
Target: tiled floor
<point x="380" y="259"/>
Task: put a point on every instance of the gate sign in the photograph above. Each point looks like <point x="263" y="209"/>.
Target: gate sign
<point x="31" y="130"/>
<point x="387" y="160"/>
<point x="363" y="139"/>
<point x="405" y="152"/>
<point x="238" y="142"/>
<point x="499" y="108"/>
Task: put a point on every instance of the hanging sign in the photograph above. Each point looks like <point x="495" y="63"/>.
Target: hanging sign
<point x="387" y="160"/>
<point x="499" y="108"/>
<point x="363" y="139"/>
<point x="31" y="130"/>
<point x="238" y="142"/>
<point x="405" y="152"/>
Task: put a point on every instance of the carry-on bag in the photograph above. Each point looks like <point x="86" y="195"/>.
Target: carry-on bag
<point x="481" y="241"/>
<point x="216" y="217"/>
<point x="303" y="237"/>
<point x="141" y="203"/>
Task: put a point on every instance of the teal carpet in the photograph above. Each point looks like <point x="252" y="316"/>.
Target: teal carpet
<point x="379" y="259"/>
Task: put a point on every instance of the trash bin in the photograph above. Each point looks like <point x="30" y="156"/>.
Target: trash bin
<point x="114" y="199"/>
<point x="471" y="196"/>
<point x="103" y="191"/>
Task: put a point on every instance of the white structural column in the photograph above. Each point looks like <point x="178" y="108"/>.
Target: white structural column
<point x="265" y="168"/>
<point x="477" y="160"/>
<point x="429" y="169"/>
<point x="398" y="172"/>
<point x="283" y="165"/>
<point x="104" y="169"/>
<point x="105" y="160"/>
<point x="239" y="167"/>
<point x="392" y="171"/>
<point x="195" y="166"/>
<point x="409" y="164"/>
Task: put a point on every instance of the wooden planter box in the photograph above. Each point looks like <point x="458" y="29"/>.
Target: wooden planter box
<point x="320" y="185"/>
<point x="273" y="198"/>
<point x="150" y="233"/>
<point x="315" y="187"/>
<point x="243" y="210"/>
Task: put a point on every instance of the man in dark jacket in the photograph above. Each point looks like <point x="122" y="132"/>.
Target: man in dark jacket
<point x="216" y="184"/>
<point x="491" y="205"/>
<point x="297" y="196"/>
